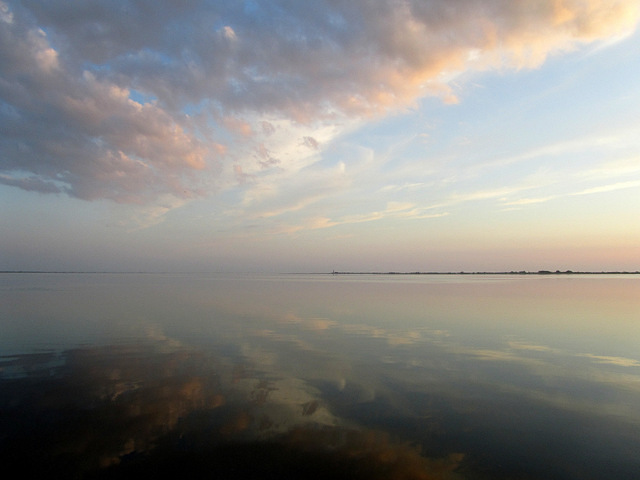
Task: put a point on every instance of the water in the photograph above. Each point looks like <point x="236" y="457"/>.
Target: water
<point x="320" y="376"/>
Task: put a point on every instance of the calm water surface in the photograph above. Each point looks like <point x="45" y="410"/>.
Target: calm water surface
<point x="320" y="376"/>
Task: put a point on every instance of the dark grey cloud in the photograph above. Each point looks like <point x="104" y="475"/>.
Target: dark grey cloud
<point x="74" y="75"/>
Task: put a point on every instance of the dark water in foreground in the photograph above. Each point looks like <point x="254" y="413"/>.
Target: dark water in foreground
<point x="294" y="376"/>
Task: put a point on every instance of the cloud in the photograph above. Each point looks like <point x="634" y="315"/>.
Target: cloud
<point x="530" y="201"/>
<point x="30" y="184"/>
<point x="589" y="191"/>
<point x="85" y="136"/>
<point x="393" y="210"/>
<point x="221" y="75"/>
<point x="311" y="143"/>
<point x="610" y="188"/>
<point x="602" y="173"/>
<point x="146" y="215"/>
<point x="619" y="361"/>
<point x="620" y="167"/>
<point x="515" y="345"/>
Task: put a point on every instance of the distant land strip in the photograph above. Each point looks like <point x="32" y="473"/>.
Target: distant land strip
<point x="512" y="272"/>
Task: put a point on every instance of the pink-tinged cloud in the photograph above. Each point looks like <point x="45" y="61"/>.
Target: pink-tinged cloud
<point x="129" y="101"/>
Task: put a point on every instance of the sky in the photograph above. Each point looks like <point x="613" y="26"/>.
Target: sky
<point x="291" y="136"/>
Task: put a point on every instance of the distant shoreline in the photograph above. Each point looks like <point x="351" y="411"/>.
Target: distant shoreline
<point x="511" y="272"/>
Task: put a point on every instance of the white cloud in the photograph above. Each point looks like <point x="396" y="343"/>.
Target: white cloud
<point x="226" y="79"/>
<point x="619" y="361"/>
<point x="610" y="187"/>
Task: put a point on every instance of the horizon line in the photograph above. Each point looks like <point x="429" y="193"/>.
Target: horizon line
<point x="336" y="272"/>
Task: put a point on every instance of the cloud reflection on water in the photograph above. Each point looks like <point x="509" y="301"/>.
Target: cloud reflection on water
<point x="112" y="411"/>
<point x="466" y="377"/>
